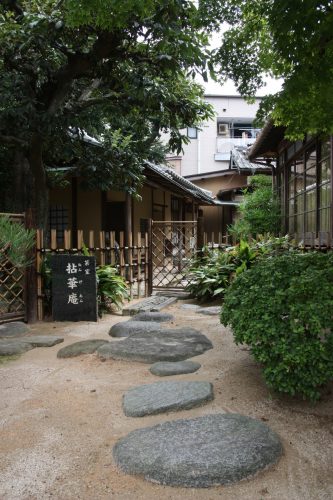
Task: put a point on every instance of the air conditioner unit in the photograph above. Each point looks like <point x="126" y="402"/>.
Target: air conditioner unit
<point x="223" y="129"/>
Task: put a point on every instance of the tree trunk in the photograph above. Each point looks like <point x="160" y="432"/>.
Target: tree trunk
<point x="23" y="185"/>
<point x="40" y="191"/>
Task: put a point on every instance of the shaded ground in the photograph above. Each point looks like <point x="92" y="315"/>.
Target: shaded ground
<point x="59" y="419"/>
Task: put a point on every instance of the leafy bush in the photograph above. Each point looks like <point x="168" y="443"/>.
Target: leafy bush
<point x="111" y="288"/>
<point x="210" y="274"/>
<point x="283" y="309"/>
<point x="214" y="269"/>
<point x="17" y="241"/>
<point x="259" y="212"/>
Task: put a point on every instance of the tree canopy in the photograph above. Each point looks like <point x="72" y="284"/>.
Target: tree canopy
<point x="118" y="71"/>
<point x="288" y="39"/>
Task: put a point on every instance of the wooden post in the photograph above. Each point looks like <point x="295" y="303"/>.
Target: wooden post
<point x="150" y="257"/>
<point x="30" y="277"/>
<point x="200" y="233"/>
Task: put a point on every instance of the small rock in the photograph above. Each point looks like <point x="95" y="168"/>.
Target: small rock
<point x="151" y="399"/>
<point x="209" y="311"/>
<point x="130" y="327"/>
<point x="78" y="348"/>
<point x="167" y="368"/>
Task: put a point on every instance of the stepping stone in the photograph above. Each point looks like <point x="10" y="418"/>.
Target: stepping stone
<point x="13" y="347"/>
<point x="192" y="307"/>
<point x="126" y="328"/>
<point x="37" y="340"/>
<point x="43" y="340"/>
<point x="153" y="316"/>
<point x="166" y="368"/>
<point x="151" y="399"/>
<point x="154" y="303"/>
<point x="210" y="311"/>
<point x="78" y="348"/>
<point x="199" y="452"/>
<point x="14" y="329"/>
<point x="163" y="345"/>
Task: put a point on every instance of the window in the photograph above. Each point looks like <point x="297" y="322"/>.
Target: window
<point x="192" y="132"/>
<point x="58" y="219"/>
<point x="308" y="185"/>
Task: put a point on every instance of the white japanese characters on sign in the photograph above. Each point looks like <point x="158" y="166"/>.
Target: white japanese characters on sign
<point x="73" y="282"/>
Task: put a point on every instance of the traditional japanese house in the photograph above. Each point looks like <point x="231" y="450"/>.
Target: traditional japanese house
<point x="303" y="180"/>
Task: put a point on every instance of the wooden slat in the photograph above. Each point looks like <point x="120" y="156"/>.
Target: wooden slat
<point x="91" y="241"/>
<point x="54" y="239"/>
<point x="67" y="239"/>
<point x="113" y="259"/>
<point x="80" y="239"/>
<point x="121" y="253"/>
<point x="138" y="274"/>
<point x="102" y="247"/>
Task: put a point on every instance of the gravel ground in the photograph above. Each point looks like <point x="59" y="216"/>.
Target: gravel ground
<point x="59" y="419"/>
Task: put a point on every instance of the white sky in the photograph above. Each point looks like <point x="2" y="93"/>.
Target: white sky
<point x="272" y="85"/>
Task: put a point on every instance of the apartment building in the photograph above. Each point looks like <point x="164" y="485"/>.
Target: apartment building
<point x="215" y="158"/>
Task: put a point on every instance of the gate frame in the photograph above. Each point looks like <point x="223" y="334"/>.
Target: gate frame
<point x="198" y="224"/>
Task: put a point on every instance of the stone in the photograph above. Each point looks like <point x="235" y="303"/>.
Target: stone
<point x="191" y="307"/>
<point x="14" y="329"/>
<point x="209" y="311"/>
<point x="200" y="452"/>
<point x="43" y="340"/>
<point x="167" y="368"/>
<point x="78" y="348"/>
<point x="13" y="347"/>
<point x="154" y="303"/>
<point x="153" y="316"/>
<point x="160" y="397"/>
<point x="163" y="345"/>
<point x="126" y="328"/>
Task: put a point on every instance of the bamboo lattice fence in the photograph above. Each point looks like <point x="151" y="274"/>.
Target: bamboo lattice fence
<point x="130" y="259"/>
<point x="12" y="299"/>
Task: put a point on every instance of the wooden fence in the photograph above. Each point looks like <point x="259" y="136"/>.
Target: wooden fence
<point x="131" y="259"/>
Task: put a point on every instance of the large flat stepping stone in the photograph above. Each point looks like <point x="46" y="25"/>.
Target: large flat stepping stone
<point x="160" y="397"/>
<point x="13" y="347"/>
<point x="153" y="316"/>
<point x="200" y="452"/>
<point x="83" y="347"/>
<point x="209" y="311"/>
<point x="167" y="368"/>
<point x="126" y="328"/>
<point x="14" y="329"/>
<point x="163" y="345"/>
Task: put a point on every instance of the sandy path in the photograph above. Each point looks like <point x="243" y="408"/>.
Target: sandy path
<point x="59" y="419"/>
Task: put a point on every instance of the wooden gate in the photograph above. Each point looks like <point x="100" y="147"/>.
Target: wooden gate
<point x="173" y="244"/>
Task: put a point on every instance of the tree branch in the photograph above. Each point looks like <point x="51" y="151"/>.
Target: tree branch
<point x="78" y="65"/>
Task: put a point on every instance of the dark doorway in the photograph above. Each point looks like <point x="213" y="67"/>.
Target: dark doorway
<point x="115" y="217"/>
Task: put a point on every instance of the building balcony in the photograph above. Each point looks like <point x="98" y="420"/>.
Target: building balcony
<point x="224" y="146"/>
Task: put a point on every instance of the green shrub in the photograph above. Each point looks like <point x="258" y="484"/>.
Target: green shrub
<point x="259" y="212"/>
<point x="213" y="270"/>
<point x="283" y="309"/>
<point x="210" y="274"/>
<point x="111" y="288"/>
<point x="17" y="241"/>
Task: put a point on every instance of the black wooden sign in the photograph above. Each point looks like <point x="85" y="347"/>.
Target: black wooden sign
<point x="74" y="289"/>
